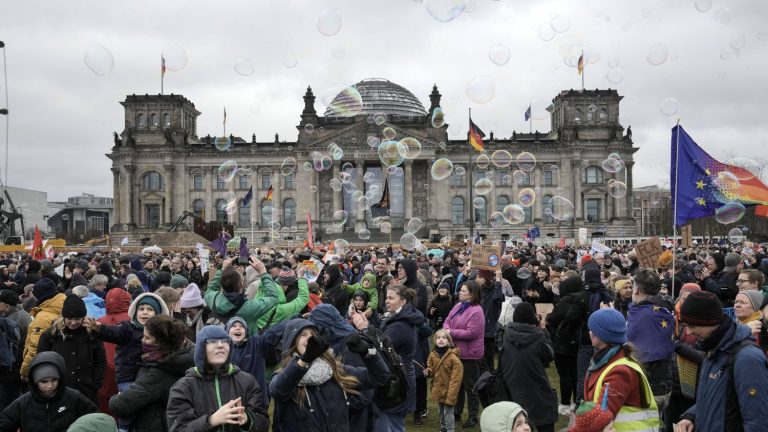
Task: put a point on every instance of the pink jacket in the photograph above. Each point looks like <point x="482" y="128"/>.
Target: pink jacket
<point x="467" y="331"/>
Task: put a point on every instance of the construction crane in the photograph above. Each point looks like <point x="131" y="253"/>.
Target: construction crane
<point x="8" y="220"/>
<point x="182" y="218"/>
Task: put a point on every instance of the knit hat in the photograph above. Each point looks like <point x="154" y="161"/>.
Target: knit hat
<point x="43" y="371"/>
<point x="560" y="263"/>
<point x="191" y="297"/>
<point x="755" y="298"/>
<point x="585" y="259"/>
<point x="592" y="275"/>
<point x="82" y="265"/>
<point x="609" y="326"/>
<point x="151" y="301"/>
<point x="486" y="274"/>
<point x="702" y="309"/>
<point x="9" y="297"/>
<point x="622" y="283"/>
<point x="179" y="281"/>
<point x="526" y="314"/>
<point x="74" y="307"/>
<point x="690" y="287"/>
<point x="732" y="260"/>
<point x="592" y="417"/>
<point x="665" y="258"/>
<point x="34" y="266"/>
<point x="236" y="319"/>
<point x="368" y="267"/>
<point x="500" y="416"/>
<point x="286" y="277"/>
<point x="44" y="289"/>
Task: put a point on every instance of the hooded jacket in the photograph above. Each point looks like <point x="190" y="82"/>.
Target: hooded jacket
<point x="586" y="302"/>
<point x="42" y="318"/>
<point x="202" y="391"/>
<point x="467" y="330"/>
<point x="373" y="295"/>
<point x="249" y="354"/>
<point x="402" y="329"/>
<point x="500" y="417"/>
<point x="333" y="291"/>
<point x="23" y="319"/>
<point x="565" y="335"/>
<point x="34" y="412"/>
<point x="223" y="303"/>
<point x="411" y="269"/>
<point x="117" y="302"/>
<point x="146" y="399"/>
<point x="285" y="310"/>
<point x="446" y="372"/>
<point x="526" y="354"/>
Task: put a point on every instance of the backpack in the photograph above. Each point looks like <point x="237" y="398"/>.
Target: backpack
<point x="10" y="339"/>
<point x="395" y="390"/>
<point x="214" y="318"/>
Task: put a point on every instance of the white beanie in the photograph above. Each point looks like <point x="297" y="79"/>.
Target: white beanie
<point x="191" y="297"/>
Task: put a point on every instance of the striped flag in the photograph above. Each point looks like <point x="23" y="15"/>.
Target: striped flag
<point x="162" y="65"/>
<point x="269" y="194"/>
<point x="475" y="136"/>
<point x="580" y="65"/>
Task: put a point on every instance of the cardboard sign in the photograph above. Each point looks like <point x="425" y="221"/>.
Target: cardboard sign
<point x="583" y="236"/>
<point x="544" y="309"/>
<point x="204" y="255"/>
<point x="648" y="252"/>
<point x="687" y="235"/>
<point x="312" y="268"/>
<point x="485" y="257"/>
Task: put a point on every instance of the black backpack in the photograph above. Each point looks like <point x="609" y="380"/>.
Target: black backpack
<point x="214" y="318"/>
<point x="395" y="390"/>
<point x="10" y="339"/>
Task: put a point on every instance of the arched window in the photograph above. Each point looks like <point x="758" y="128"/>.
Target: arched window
<point x="457" y="211"/>
<point x="577" y="115"/>
<point x="198" y="208"/>
<point x="548" y="208"/>
<point x="152" y="181"/>
<point x="289" y="213"/>
<point x="501" y="202"/>
<point x="221" y="211"/>
<point x="154" y="121"/>
<point x="481" y="213"/>
<point x="244" y="214"/>
<point x="266" y="212"/>
<point x="166" y="120"/>
<point x="457" y="177"/>
<point x="141" y="120"/>
<point x="590" y="116"/>
<point x="592" y="175"/>
<point x="528" y="216"/>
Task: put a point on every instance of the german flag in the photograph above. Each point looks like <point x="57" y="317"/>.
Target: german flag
<point x="269" y="194"/>
<point x="476" y="136"/>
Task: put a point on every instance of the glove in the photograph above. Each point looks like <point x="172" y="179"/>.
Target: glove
<point x="357" y="344"/>
<point x="316" y="346"/>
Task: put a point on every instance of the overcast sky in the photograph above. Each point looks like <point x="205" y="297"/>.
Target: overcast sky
<point x="62" y="114"/>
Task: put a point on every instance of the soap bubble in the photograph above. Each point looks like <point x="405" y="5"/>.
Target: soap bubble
<point x="483" y="161"/>
<point x="309" y="128"/>
<point x="222" y="143"/>
<point x="343" y="101"/>
<point x="728" y="186"/>
<point x="369" y="177"/>
<point x="561" y="208"/>
<point x="335" y="151"/>
<point x="481" y="89"/>
<point x="385" y="228"/>
<point x="329" y="22"/>
<point x="513" y="214"/>
<point x="373" y="141"/>
<point x="526" y="161"/>
<point x="702" y="5"/>
<point x="723" y="16"/>
<point x="523" y="273"/>
<point x="657" y="54"/>
<point x="519" y="176"/>
<point x="414" y="225"/>
<point x="526" y="197"/>
<point x="288" y="167"/>
<point x="499" y="54"/>
<point x="478" y="203"/>
<point x="340" y="246"/>
<point x="409" y="148"/>
<point x="335" y="184"/>
<point x="307" y="166"/>
<point x="501" y="158"/>
<point x="729" y="53"/>
<point x="615" y="76"/>
<point x="730" y="213"/>
<point x="389" y="133"/>
<point x="669" y="106"/>
<point x="735" y="235"/>
<point x="389" y="153"/>
<point x="364" y="234"/>
<point x="617" y="189"/>
<point x="379" y="119"/>
<point x="290" y="61"/>
<point x="460" y="170"/>
<point x="175" y="57"/>
<point x="408" y="241"/>
<point x="738" y="42"/>
<point x="560" y="24"/>
<point x="496" y="220"/>
<point x="438" y="118"/>
<point x="313" y="188"/>
<point x="612" y="165"/>
<point x="340" y="217"/>
<point x="746" y="168"/>
<point x="441" y="169"/>
<point x="227" y="170"/>
<point x="483" y="186"/>
<point x="545" y="32"/>
<point x="99" y="59"/>
<point x="445" y="10"/>
<point x="244" y="67"/>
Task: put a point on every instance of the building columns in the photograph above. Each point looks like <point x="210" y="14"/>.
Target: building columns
<point x="169" y="188"/>
<point x="210" y="207"/>
<point x="117" y="218"/>
<point x="360" y="210"/>
<point x="408" y="190"/>
<point x="129" y="211"/>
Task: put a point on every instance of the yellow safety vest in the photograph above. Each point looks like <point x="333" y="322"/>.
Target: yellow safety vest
<point x="632" y="418"/>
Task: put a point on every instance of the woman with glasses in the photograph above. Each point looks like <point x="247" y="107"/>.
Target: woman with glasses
<point x="215" y="394"/>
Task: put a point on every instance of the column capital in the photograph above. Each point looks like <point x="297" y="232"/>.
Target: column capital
<point x="115" y="170"/>
<point x="129" y="168"/>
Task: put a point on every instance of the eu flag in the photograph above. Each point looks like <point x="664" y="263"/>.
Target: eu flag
<point x="248" y="197"/>
<point x="702" y="185"/>
<point x="528" y="113"/>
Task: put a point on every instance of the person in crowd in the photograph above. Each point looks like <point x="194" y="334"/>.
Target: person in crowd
<point x="48" y="309"/>
<point x="526" y="353"/>
<point x="49" y="405"/>
<point x="629" y="397"/>
<point x="407" y="276"/>
<point x="250" y="353"/>
<point x="445" y="368"/>
<point x="504" y="417"/>
<point x="117" y="303"/>
<point x="312" y="388"/>
<point x="491" y="299"/>
<point x="748" y="312"/>
<point x="750" y="280"/>
<point x="361" y="304"/>
<point x="94" y="305"/>
<point x="565" y="343"/>
<point x="623" y="292"/>
<point x="440" y="306"/>
<point x="719" y="277"/>
<point x="739" y="396"/>
<point x="215" y="394"/>
<point x="94" y="422"/>
<point x="10" y="379"/>
<point x="171" y="298"/>
<point x="166" y="357"/>
<point x="292" y="296"/>
<point x="367" y="284"/>
<point x="83" y="353"/>
<point x="98" y="285"/>
<point x="78" y="273"/>
<point x="193" y="270"/>
<point x="466" y="325"/>
<point x="224" y="295"/>
<point x="539" y="289"/>
<point x="333" y="289"/>
<point x="193" y="310"/>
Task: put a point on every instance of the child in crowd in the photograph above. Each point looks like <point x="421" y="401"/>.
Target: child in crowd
<point x="446" y="370"/>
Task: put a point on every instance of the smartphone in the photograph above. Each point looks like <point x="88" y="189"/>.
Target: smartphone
<point x="243" y="261"/>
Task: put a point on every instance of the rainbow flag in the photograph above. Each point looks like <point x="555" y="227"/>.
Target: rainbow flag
<point x="269" y="194"/>
<point x="475" y="136"/>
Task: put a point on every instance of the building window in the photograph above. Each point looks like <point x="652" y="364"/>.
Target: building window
<point x="288" y="180"/>
<point x="457" y="178"/>
<point x="266" y="181"/>
<point x="589" y="115"/>
<point x="198" y="208"/>
<point x="242" y="182"/>
<point x="197" y="182"/>
<point x="220" y="182"/>
<point x="244" y="214"/>
<point x="548" y="208"/>
<point x="603" y="115"/>
<point x="577" y="115"/>
<point x="166" y="120"/>
<point x="141" y="120"/>
<point x="152" y="181"/>
<point x="479" y="175"/>
<point x="525" y="179"/>
<point x="481" y="213"/>
<point x="457" y="211"/>
<point x="593" y="210"/>
<point x="593" y="175"/>
<point x="504" y="178"/>
<point x="289" y="213"/>
<point x="96" y="223"/>
<point x="549" y="178"/>
<point x="221" y="211"/>
<point x="154" y="121"/>
<point x="501" y="202"/>
<point x="152" y="215"/>
<point x="528" y="215"/>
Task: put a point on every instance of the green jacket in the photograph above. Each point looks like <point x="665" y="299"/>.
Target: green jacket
<point x="252" y="309"/>
<point x="284" y="310"/>
<point x="373" y="295"/>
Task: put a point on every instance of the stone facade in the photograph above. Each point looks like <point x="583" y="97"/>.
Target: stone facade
<point x="162" y="167"/>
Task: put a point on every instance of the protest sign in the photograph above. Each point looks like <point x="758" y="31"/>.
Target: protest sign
<point x="312" y="268"/>
<point x="648" y="252"/>
<point x="485" y="257"/>
<point x="544" y="309"/>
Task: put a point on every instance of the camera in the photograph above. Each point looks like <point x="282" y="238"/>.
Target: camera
<point x="243" y="261"/>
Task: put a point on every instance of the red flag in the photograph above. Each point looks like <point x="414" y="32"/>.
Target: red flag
<point x="37" y="245"/>
<point x="761" y="211"/>
<point x="310" y="239"/>
<point x="561" y="243"/>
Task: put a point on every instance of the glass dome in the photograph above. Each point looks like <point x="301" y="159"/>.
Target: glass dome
<point x="380" y="95"/>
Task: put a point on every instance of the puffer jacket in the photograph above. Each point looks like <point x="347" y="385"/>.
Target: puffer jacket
<point x="117" y="302"/>
<point x="223" y="303"/>
<point x="146" y="399"/>
<point x="42" y="318"/>
<point x="34" y="412"/>
<point x="467" y="331"/>
<point x="446" y="372"/>
<point x="491" y="299"/>
<point x="373" y="295"/>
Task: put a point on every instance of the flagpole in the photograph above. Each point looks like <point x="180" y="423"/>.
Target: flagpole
<point x="162" y="74"/>
<point x="530" y="119"/>
<point x="469" y="185"/>
<point x="674" y="219"/>
<point x="583" y="70"/>
<point x="225" y="122"/>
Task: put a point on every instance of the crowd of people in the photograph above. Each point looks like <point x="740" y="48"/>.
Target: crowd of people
<point x="158" y="342"/>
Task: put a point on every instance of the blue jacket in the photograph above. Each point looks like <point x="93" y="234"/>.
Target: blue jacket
<point x="401" y="329"/>
<point x="716" y="406"/>
<point x="127" y="336"/>
<point x="95" y="305"/>
<point x="248" y="355"/>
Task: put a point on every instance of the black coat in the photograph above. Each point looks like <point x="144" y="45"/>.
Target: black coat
<point x="145" y="400"/>
<point x="83" y="354"/>
<point x="491" y="299"/>
<point x="33" y="412"/>
<point x="442" y="306"/>
<point x="412" y="281"/>
<point x="565" y="335"/>
<point x="526" y="353"/>
<point x="401" y="328"/>
<point x="723" y="285"/>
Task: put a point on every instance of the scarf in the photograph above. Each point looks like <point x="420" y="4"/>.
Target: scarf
<point x="441" y="350"/>
<point x="601" y="357"/>
<point x="464" y="306"/>
<point x="757" y="316"/>
<point x="717" y="336"/>
<point x="319" y="372"/>
<point x="152" y="352"/>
